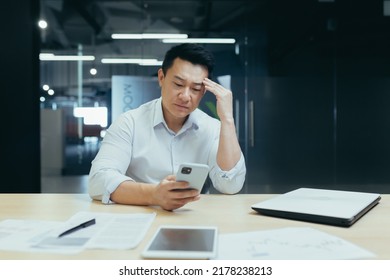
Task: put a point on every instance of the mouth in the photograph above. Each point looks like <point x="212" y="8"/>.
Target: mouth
<point x="181" y="107"/>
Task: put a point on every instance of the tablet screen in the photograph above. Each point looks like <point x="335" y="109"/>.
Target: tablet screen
<point x="183" y="242"/>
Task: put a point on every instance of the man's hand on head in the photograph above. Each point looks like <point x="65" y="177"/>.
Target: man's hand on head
<point x="224" y="99"/>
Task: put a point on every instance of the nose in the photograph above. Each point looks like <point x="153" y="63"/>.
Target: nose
<point x="185" y="94"/>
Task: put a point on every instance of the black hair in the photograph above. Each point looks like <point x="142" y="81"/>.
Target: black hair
<point x="193" y="53"/>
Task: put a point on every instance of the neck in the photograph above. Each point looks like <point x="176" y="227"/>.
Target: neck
<point x="175" y="124"/>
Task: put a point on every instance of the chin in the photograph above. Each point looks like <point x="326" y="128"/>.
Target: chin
<point x="182" y="114"/>
<point x="182" y="111"/>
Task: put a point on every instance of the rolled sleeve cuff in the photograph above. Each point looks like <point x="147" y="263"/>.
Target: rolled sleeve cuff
<point x="231" y="181"/>
<point x="232" y="173"/>
<point x="112" y="186"/>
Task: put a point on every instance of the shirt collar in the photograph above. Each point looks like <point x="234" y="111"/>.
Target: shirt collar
<point x="192" y="121"/>
<point x="158" y="114"/>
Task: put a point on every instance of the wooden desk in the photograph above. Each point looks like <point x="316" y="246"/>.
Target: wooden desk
<point x="231" y="213"/>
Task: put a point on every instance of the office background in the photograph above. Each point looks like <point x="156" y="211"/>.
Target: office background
<point x="310" y="80"/>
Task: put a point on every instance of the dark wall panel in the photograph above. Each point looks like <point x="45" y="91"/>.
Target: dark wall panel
<point x="363" y="130"/>
<point x="293" y="132"/>
<point x="19" y="65"/>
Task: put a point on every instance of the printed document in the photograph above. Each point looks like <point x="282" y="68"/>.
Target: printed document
<point x="111" y="231"/>
<point x="299" y="243"/>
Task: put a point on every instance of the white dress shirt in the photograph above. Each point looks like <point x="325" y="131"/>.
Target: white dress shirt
<point x="140" y="147"/>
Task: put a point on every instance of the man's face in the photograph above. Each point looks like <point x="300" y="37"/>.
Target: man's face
<point x="181" y="88"/>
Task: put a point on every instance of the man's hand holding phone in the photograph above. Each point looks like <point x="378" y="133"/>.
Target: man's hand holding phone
<point x="193" y="173"/>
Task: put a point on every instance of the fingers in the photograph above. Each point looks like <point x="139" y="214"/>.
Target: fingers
<point x="214" y="87"/>
<point x="224" y="99"/>
<point x="170" y="178"/>
<point x="178" y="203"/>
<point x="172" y="195"/>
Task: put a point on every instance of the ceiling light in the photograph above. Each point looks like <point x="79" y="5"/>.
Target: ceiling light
<point x="52" y="57"/>
<point x="149" y="36"/>
<point x="139" y="61"/>
<point x="201" y="40"/>
<point x="42" y="24"/>
<point x="151" y="63"/>
<point x="93" y="71"/>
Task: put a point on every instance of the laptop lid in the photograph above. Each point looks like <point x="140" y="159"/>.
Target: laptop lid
<point x="334" y="207"/>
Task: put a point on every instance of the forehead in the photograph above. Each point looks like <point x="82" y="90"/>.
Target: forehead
<point x="185" y="70"/>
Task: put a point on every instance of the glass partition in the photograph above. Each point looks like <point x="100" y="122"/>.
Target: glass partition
<point x="309" y="79"/>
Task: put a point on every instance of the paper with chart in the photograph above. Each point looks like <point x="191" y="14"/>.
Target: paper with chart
<point x="299" y="243"/>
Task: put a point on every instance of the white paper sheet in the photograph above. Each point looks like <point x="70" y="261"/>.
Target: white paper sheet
<point x="111" y="231"/>
<point x="299" y="243"/>
<point x="22" y="235"/>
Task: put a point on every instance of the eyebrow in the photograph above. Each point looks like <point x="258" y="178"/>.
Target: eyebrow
<point x="181" y="79"/>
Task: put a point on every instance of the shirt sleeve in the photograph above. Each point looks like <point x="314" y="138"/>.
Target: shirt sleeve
<point x="230" y="181"/>
<point x="110" y="164"/>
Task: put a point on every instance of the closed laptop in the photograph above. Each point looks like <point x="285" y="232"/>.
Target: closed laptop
<point x="334" y="207"/>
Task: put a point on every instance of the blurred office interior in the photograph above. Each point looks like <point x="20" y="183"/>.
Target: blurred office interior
<point x="311" y="84"/>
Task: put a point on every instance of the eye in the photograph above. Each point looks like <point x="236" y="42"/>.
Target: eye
<point x="178" y="85"/>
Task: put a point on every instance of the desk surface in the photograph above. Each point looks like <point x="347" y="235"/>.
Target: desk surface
<point x="230" y="213"/>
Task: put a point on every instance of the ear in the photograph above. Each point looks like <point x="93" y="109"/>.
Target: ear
<point x="160" y="75"/>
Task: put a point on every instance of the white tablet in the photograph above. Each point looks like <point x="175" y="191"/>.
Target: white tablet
<point x="183" y="242"/>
